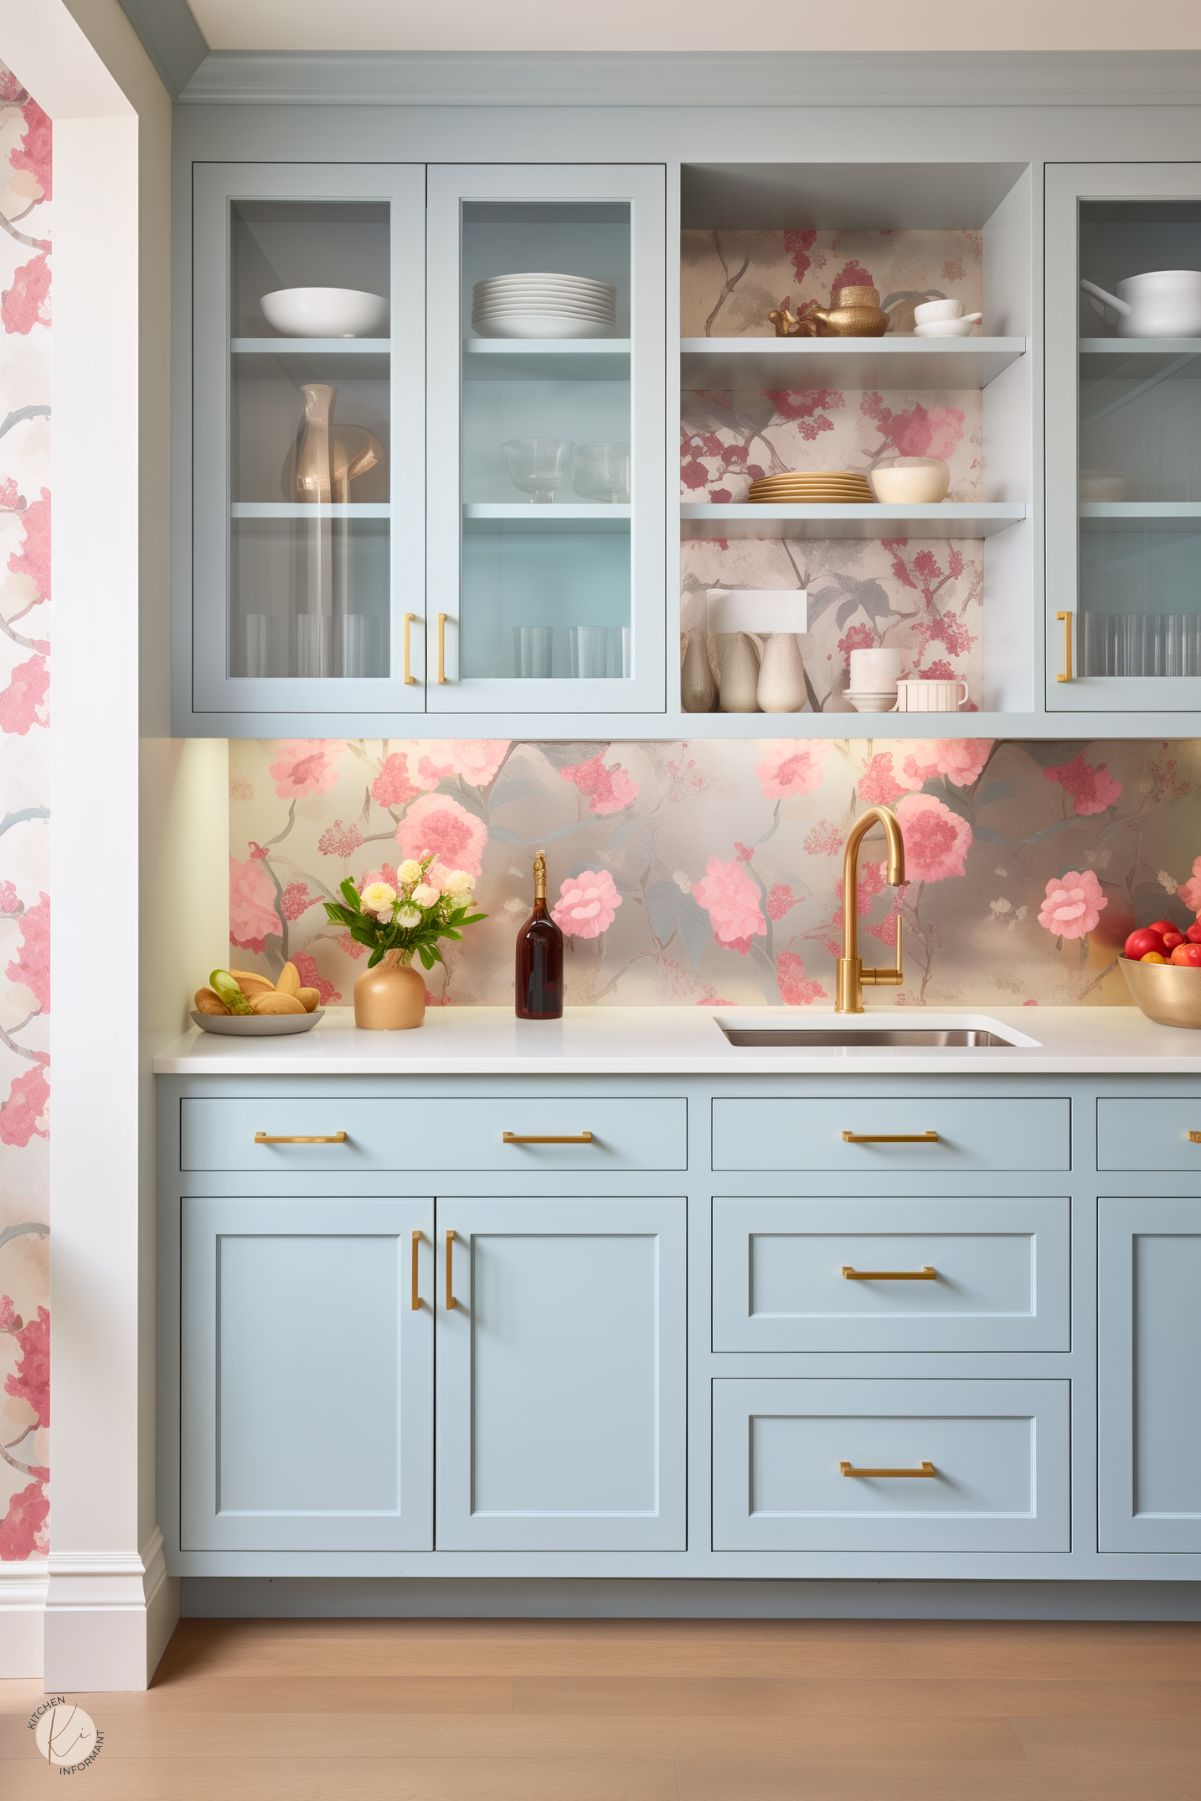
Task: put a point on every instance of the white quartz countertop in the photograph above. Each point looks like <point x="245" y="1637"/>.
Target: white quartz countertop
<point x="678" y="1041"/>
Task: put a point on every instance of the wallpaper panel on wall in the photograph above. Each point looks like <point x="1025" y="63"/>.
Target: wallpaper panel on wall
<point x="25" y="194"/>
<point x="703" y="873"/>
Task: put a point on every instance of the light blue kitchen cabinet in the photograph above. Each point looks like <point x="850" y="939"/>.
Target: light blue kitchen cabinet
<point x="561" y="1374"/>
<point x="1149" y="1340"/>
<point x="306" y="1373"/>
<point x="1123" y="450"/>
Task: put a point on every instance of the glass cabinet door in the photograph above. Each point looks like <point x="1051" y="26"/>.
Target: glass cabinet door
<point x="547" y="494"/>
<point x="308" y="505"/>
<point x="1124" y="437"/>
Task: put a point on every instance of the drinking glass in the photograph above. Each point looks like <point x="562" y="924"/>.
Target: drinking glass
<point x="589" y="651"/>
<point x="540" y="467"/>
<point x="264" y="645"/>
<point x="602" y="472"/>
<point x="314" y="644"/>
<point x="618" y="662"/>
<point x="358" y="636"/>
<point x="532" y="645"/>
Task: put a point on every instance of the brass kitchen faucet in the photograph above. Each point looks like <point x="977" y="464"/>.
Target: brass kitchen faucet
<point x="851" y="973"/>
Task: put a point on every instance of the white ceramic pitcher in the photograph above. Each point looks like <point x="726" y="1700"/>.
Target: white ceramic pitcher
<point x="1163" y="303"/>
<point x="781" y="684"/>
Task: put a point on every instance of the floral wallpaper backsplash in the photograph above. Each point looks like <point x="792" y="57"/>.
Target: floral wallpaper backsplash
<point x="703" y="874"/>
<point x="925" y="599"/>
<point x="25" y="195"/>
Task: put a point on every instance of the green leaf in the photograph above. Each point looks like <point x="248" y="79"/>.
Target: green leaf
<point x="375" y="956"/>
<point x="427" y="959"/>
<point x="336" y="913"/>
<point x="351" y="894"/>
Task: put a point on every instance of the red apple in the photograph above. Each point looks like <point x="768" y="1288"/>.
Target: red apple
<point x="1193" y="933"/>
<point x="1163" y="925"/>
<point x="1172" y="939"/>
<point x="1188" y="956"/>
<point x="1145" y="939"/>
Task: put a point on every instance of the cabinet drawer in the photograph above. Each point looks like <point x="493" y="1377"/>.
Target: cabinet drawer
<point x="425" y="1134"/>
<point x="1143" y="1135"/>
<point x="808" y="1134"/>
<point x="995" y="1453"/>
<point x="834" y="1274"/>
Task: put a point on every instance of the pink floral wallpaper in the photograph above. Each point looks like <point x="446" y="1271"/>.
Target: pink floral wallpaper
<point x="924" y="599"/>
<point x="692" y="874"/>
<point x="25" y="195"/>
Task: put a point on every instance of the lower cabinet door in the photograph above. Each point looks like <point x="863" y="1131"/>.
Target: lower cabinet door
<point x="881" y="1464"/>
<point x="1149" y="1337"/>
<point x="561" y="1375"/>
<point x="306" y="1375"/>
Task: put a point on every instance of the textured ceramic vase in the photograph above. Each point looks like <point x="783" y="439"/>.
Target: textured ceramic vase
<point x="739" y="679"/>
<point x="390" y="997"/>
<point x="698" y="690"/>
<point x="781" y="685"/>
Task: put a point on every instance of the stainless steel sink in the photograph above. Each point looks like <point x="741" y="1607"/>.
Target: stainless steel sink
<point x="827" y="1035"/>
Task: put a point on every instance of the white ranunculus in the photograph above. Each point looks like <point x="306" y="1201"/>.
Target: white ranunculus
<point x="377" y="895"/>
<point x="409" y="871"/>
<point x="459" y="881"/>
<point x="385" y="916"/>
<point x="425" y="895"/>
<point x="408" y="917"/>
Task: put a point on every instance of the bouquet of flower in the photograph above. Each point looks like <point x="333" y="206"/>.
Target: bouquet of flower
<point x="426" y="905"/>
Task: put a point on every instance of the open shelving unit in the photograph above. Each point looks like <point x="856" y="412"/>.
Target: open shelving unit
<point x="949" y="519"/>
<point x="789" y="363"/>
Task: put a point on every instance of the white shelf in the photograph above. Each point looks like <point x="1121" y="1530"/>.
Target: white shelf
<point x="310" y="346"/>
<point x="546" y="359"/>
<point x="1135" y="359"/>
<point x="1142" y="515"/>
<point x="529" y="516"/>
<point x="312" y="359"/>
<point x="295" y="509"/>
<point x="791" y="363"/>
<point x="949" y="519"/>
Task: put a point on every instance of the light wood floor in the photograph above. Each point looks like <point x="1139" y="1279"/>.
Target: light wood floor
<point x="656" y="1711"/>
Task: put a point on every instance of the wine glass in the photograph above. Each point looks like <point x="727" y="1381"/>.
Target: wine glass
<point x="602" y="472"/>
<point x="540" y="467"/>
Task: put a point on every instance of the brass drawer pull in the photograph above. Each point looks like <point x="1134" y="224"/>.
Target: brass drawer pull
<point x="415" y="1301"/>
<point x="442" y="649"/>
<point x="890" y="1138"/>
<point x="546" y="1138"/>
<point x="1065" y="674"/>
<point x="296" y="1138"/>
<point x="1194" y="1137"/>
<point x="451" y="1303"/>
<point x="923" y="1469"/>
<point x="926" y="1274"/>
<point x="409" y="677"/>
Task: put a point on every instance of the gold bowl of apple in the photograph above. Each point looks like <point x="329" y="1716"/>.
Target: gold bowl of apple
<point x="1168" y="993"/>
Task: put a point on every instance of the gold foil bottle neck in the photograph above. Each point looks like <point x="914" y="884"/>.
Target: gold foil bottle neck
<point x="540" y="876"/>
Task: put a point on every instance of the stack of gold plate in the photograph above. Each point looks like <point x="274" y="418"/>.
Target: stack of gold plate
<point x="827" y="487"/>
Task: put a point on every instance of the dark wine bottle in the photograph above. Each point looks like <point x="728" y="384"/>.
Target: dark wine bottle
<point x="540" y="957"/>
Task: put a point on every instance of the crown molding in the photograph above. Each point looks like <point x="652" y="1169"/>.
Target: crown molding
<point x="172" y="39"/>
<point x="680" y="79"/>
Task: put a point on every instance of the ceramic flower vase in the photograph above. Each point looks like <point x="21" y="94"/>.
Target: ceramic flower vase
<point x="390" y="997"/>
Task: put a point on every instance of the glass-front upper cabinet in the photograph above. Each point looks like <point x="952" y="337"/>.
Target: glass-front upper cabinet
<point x="547" y="493"/>
<point x="1124" y="437"/>
<point x="308" y="533"/>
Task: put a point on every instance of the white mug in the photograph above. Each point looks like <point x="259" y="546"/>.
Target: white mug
<point x="927" y="695"/>
<point x="874" y="669"/>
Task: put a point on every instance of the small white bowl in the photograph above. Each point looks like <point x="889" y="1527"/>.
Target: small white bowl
<point x="930" y="310"/>
<point x="948" y="328"/>
<point x="256" y="1025"/>
<point x="326" y="313"/>
<point x="874" y="703"/>
<point x="910" y="481"/>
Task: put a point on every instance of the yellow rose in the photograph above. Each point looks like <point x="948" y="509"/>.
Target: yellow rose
<point x="376" y="896"/>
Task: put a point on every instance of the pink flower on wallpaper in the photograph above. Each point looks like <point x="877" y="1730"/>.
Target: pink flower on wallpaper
<point x="27" y="302"/>
<point x="296" y="900"/>
<point x="23" y="702"/>
<point x="1190" y="891"/>
<point x="475" y="760"/>
<point x="609" y="789"/>
<point x="1073" y="904"/>
<point x="960" y="760"/>
<point x="31" y="965"/>
<point x="587" y="904"/>
<point x="385" y="873"/>
<point x="797" y="245"/>
<point x="24" y="1528"/>
<point x="252" y="915"/>
<point x="10" y="900"/>
<point x="823" y="840"/>
<point x="857" y="637"/>
<point x="878" y="785"/>
<point x="30" y="1381"/>
<point x="790" y="766"/>
<point x="795" y="987"/>
<point x="338" y="840"/>
<point x="438" y="823"/>
<point x="33" y="155"/>
<point x="23" y="1114"/>
<point x="393" y="786"/>
<point x="349" y="947"/>
<point x="33" y="558"/>
<point x="305" y="766"/>
<point x="807" y="408"/>
<point x="780" y="899"/>
<point x="731" y="900"/>
<point x="917" y="432"/>
<point x="936" y="839"/>
<point x="852" y="275"/>
<point x="1089" y="785"/>
<point x="311" y="977"/>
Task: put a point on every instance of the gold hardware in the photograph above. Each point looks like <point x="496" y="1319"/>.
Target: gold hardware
<point x="924" y="1274"/>
<point x="295" y="1138"/>
<point x="409" y="677"/>
<point x="890" y="1138"/>
<point x="850" y="974"/>
<point x="451" y="1303"/>
<point x="1194" y="1137"/>
<point x="442" y="648"/>
<point x="923" y="1469"/>
<point x="415" y="1301"/>
<point x="1065" y="674"/>
<point x="545" y="1138"/>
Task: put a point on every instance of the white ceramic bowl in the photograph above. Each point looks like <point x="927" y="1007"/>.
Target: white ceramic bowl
<point x="884" y="702"/>
<point x="929" y="310"/>
<point x="910" y="481"/>
<point x="326" y="313"/>
<point x="948" y="328"/>
<point x="256" y="1025"/>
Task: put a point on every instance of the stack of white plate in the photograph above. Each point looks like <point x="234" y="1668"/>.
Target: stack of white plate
<point x="544" y="306"/>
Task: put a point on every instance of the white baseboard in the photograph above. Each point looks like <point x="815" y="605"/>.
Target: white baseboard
<point x="108" y="1618"/>
<point x="22" y="1610"/>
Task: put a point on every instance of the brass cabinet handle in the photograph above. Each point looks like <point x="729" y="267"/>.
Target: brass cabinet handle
<point x="1065" y="674"/>
<point x="923" y="1469"/>
<point x="890" y="1138"/>
<point x="451" y="1303"/>
<point x="415" y="1301"/>
<point x="297" y="1138"/>
<point x="410" y="678"/>
<point x="442" y="617"/>
<point x="925" y="1274"/>
<point x="546" y="1138"/>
